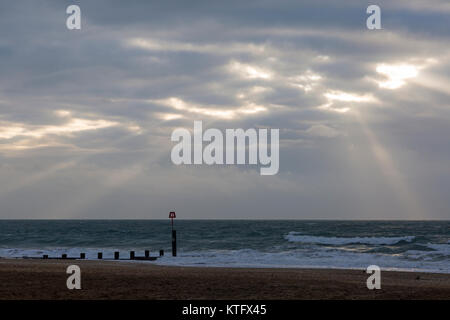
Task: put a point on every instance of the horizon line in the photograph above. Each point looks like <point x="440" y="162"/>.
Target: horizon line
<point x="217" y="219"/>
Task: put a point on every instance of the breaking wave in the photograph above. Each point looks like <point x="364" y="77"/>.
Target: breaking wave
<point x="297" y="237"/>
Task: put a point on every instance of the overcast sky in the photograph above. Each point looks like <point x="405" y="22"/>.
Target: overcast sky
<point x="86" y="115"/>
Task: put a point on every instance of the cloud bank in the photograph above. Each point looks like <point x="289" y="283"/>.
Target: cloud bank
<point x="86" y="116"/>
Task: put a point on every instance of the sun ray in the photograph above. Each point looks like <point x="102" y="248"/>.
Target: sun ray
<point x="392" y="174"/>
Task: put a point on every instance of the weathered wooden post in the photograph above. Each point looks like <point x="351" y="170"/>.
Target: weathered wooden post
<point x="82" y="256"/>
<point x="100" y="255"/>
<point x="116" y="255"/>
<point x="131" y="255"/>
<point x="172" y="216"/>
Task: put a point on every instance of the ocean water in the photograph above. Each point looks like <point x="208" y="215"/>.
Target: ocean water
<point x="392" y="245"/>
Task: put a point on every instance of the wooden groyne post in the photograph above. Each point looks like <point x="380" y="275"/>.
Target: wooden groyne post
<point x="133" y="256"/>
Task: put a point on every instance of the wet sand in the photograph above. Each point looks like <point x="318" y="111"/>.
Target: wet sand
<point x="46" y="279"/>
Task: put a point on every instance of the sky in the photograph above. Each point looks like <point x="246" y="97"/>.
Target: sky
<point x="86" y="115"/>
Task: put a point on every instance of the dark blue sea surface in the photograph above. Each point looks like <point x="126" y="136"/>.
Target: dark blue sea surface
<point x="393" y="245"/>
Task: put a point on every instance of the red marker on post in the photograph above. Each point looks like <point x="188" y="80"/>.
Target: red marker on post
<point x="172" y="216"/>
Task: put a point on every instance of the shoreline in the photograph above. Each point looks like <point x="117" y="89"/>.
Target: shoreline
<point x="105" y="280"/>
<point x="155" y="263"/>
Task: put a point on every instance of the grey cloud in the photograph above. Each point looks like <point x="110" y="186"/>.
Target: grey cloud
<point x="328" y="167"/>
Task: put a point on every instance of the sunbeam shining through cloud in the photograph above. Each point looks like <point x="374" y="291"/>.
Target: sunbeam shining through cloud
<point x="86" y="115"/>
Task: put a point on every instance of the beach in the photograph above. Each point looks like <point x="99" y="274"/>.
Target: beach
<point x="46" y="279"/>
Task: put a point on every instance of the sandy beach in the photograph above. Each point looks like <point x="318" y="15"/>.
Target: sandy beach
<point x="38" y="279"/>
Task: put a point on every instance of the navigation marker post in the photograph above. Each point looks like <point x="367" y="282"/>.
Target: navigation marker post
<point x="172" y="216"/>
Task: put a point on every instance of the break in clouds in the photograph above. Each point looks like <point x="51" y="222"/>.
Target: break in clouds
<point x="86" y="115"/>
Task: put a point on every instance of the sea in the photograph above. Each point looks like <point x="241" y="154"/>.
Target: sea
<point x="391" y="245"/>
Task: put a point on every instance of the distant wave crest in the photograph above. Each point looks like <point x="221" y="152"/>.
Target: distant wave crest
<point x="298" y="237"/>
